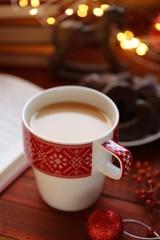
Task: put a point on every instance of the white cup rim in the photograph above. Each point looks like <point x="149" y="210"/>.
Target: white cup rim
<point x="46" y="92"/>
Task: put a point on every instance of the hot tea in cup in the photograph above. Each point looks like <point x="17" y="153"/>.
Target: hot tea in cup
<point x="70" y="122"/>
<point x="70" y="138"/>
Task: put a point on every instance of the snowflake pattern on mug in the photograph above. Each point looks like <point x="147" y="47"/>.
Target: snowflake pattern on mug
<point x="57" y="159"/>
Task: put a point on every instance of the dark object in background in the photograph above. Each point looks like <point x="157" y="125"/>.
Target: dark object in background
<point x="137" y="98"/>
<point x="100" y="29"/>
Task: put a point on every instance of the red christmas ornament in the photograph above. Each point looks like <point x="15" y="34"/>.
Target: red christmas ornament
<point x="105" y="224"/>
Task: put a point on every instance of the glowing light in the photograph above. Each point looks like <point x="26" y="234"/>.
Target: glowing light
<point x="35" y="3"/>
<point x="129" y="34"/>
<point x="69" y="11"/>
<point x="82" y="13"/>
<point x="126" y="44"/>
<point x="104" y="6"/>
<point x="33" y="11"/>
<point x="142" y="49"/>
<point x="82" y="10"/>
<point x="23" y="3"/>
<point x="83" y="7"/>
<point x="98" y="12"/>
<point x="121" y="36"/>
<point x="134" y="42"/>
<point x="51" y="20"/>
<point x="157" y="26"/>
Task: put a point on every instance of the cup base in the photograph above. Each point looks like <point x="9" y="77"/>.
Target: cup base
<point x="67" y="194"/>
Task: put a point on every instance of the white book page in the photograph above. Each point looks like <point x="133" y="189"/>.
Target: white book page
<point x="14" y="92"/>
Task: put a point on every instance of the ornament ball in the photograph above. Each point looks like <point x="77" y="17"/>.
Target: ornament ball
<point x="105" y="224"/>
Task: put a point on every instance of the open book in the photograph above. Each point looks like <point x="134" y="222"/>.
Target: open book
<point x="14" y="92"/>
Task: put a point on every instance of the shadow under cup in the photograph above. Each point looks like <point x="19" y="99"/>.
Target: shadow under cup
<point x="78" y="180"/>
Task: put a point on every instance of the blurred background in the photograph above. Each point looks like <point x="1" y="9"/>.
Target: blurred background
<point x="45" y="34"/>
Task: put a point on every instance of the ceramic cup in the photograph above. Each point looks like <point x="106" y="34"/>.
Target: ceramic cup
<point x="70" y="176"/>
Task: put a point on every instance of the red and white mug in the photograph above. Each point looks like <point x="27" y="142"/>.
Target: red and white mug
<point x="70" y="176"/>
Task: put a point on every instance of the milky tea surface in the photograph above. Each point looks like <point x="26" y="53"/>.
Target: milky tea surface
<point x="70" y="122"/>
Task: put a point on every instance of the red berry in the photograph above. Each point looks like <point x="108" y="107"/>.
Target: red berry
<point x="150" y="182"/>
<point x="137" y="192"/>
<point x="158" y="185"/>
<point x="138" y="179"/>
<point x="134" y="176"/>
<point x="143" y="196"/>
<point x="157" y="173"/>
<point x="148" y="175"/>
<point x="138" y="164"/>
<point x="146" y="164"/>
<point x="150" y="233"/>
<point x="149" y="192"/>
<point x="142" y="171"/>
<point x="158" y="204"/>
<point x="148" y="169"/>
<point x="142" y="191"/>
<point x="148" y="203"/>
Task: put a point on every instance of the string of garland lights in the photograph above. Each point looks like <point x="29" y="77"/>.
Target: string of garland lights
<point x="67" y="8"/>
<point x="51" y="12"/>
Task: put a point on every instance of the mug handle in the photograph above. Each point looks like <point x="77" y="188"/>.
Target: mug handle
<point x="122" y="154"/>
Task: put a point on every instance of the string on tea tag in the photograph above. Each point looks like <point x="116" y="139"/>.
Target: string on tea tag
<point x="151" y="234"/>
